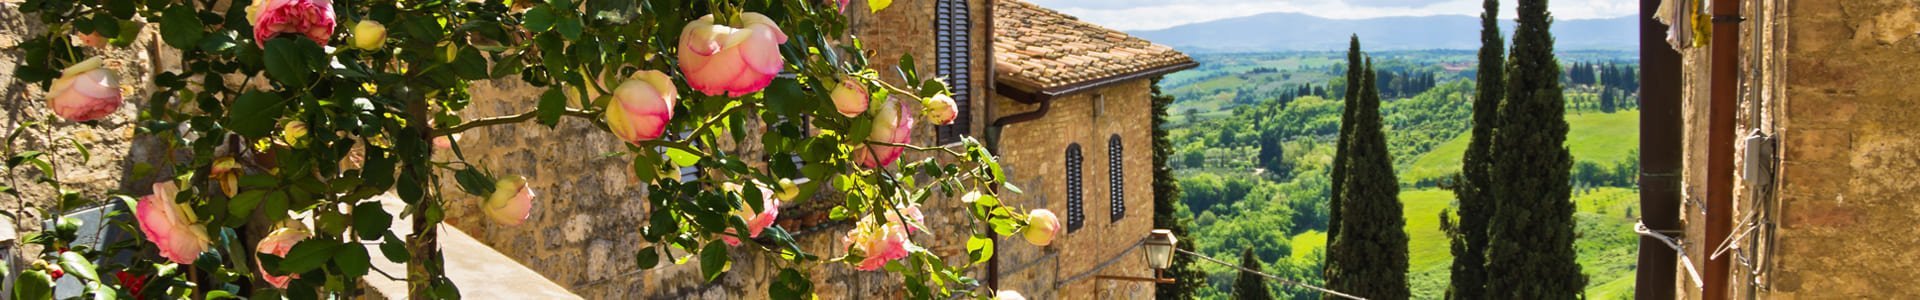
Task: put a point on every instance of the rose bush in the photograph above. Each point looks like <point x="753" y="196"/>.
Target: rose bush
<point x="338" y="102"/>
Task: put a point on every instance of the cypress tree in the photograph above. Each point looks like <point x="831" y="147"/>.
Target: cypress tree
<point x="1354" y="81"/>
<point x="1469" y="245"/>
<point x="1369" y="259"/>
<point x="1250" y="286"/>
<point x="1166" y="198"/>
<point x="1530" y="254"/>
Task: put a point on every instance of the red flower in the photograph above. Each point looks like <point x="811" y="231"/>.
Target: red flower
<point x="132" y="282"/>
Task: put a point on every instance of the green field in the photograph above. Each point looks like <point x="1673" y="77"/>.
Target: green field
<point x="1592" y="137"/>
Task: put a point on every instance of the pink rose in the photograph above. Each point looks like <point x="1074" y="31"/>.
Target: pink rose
<point x="312" y="18"/>
<point x="756" y="221"/>
<point x="941" y="110"/>
<point x="914" y="218"/>
<point x="877" y="243"/>
<point x="279" y="243"/>
<point x="850" y="97"/>
<point x="1042" y="226"/>
<point x="734" y="61"/>
<point x="641" y="107"/>
<point x="170" y="225"/>
<point x="511" y="201"/>
<point x="891" y="125"/>
<point x="85" y="92"/>
<point x="226" y="171"/>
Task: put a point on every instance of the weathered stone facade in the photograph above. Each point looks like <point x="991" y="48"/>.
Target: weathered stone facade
<point x="1835" y="86"/>
<point x="1036" y="155"/>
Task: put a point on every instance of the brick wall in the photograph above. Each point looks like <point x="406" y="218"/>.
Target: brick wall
<point x="1035" y="153"/>
<point x="1835" y="86"/>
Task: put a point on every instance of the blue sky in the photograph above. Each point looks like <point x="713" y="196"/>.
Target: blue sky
<point x="1155" y="14"/>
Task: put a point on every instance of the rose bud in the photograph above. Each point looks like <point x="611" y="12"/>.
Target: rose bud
<point x="641" y="107"/>
<point x="310" y="18"/>
<point x="445" y="142"/>
<point x="369" y="35"/>
<point x="877" y="243"/>
<point x="171" y="225"/>
<point x="892" y="124"/>
<point x="850" y="97"/>
<point x="295" y="134"/>
<point x="734" y="61"/>
<point x="756" y="221"/>
<point x="85" y="92"/>
<point x="226" y="171"/>
<point x="55" y="271"/>
<point x="279" y="243"/>
<point x="788" y="190"/>
<point x="1042" y="226"/>
<point x="941" y="110"/>
<point x="511" y="202"/>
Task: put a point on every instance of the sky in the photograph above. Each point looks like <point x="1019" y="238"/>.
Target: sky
<point x="1157" y="14"/>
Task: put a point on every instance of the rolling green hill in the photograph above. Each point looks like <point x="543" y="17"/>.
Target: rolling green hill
<point x="1593" y="137"/>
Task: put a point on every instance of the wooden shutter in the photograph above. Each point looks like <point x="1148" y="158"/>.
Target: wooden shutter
<point x="1076" y="216"/>
<point x="1116" y="180"/>
<point x="952" y="39"/>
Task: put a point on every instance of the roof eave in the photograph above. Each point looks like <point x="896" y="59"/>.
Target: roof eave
<point x="1088" y="85"/>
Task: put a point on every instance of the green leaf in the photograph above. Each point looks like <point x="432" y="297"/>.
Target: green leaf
<point x="470" y="65"/>
<point x="255" y="113"/>
<point x="309" y="255"/>
<point x="540" y="18"/>
<point x="292" y="61"/>
<point x="474" y="182"/>
<point x="682" y="158"/>
<point x="220" y="294"/>
<point x="791" y="285"/>
<point x="370" y="221"/>
<point x="980" y="248"/>
<point x="34" y="284"/>
<point x="180" y="27"/>
<point x="570" y="27"/>
<point x="353" y="260"/>
<point x="714" y="260"/>
<point x="877" y="5"/>
<point x="394" y="249"/>
<point x="243" y="204"/>
<point x="552" y="104"/>
<point x="647" y="258"/>
<point x="78" y="265"/>
<point x="906" y="68"/>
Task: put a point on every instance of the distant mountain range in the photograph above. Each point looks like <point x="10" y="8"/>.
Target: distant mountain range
<point x="1294" y="31"/>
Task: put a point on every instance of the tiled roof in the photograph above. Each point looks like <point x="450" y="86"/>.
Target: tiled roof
<point x="1039" y="48"/>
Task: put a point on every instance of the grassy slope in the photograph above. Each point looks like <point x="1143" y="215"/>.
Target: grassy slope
<point x="1600" y="138"/>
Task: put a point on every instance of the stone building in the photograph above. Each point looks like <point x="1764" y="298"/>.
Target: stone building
<point x="1824" y="202"/>
<point x="1065" y="104"/>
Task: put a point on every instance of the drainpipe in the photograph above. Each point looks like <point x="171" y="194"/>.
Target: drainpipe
<point x="1724" y="89"/>
<point x="1660" y="155"/>
<point x="992" y="133"/>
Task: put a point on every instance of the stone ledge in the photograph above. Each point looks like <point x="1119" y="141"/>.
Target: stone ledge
<point x="478" y="270"/>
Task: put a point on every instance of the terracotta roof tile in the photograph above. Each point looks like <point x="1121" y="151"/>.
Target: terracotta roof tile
<point x="1042" y="48"/>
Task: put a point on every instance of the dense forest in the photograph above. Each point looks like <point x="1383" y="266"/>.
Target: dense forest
<point x="1252" y="144"/>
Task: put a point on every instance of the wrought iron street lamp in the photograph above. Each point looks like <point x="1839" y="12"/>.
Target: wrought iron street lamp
<point x="1160" y="245"/>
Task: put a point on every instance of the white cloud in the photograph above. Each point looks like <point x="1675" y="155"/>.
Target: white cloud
<point x="1145" y="14"/>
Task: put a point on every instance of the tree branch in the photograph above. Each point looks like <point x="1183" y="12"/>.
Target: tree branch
<point x="500" y="120"/>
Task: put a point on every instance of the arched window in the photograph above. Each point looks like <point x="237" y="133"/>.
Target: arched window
<point x="1116" y="180"/>
<point x="1076" y="217"/>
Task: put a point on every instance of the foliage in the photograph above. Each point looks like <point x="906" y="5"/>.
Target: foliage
<point x="1167" y="207"/>
<point x="290" y="110"/>
<point x="1531" y="232"/>
<point x="1367" y="257"/>
<point x="1342" y="153"/>
<point x="1250" y="285"/>
<point x="1473" y="186"/>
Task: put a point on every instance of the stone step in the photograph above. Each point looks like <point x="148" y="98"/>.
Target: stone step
<point x="478" y="270"/>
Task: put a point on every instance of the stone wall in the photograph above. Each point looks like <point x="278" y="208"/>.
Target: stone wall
<point x="1035" y="153"/>
<point x="1835" y="86"/>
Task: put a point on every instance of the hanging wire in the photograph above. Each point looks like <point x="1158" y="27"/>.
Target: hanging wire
<point x="1677" y="245"/>
<point x="1270" y="276"/>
